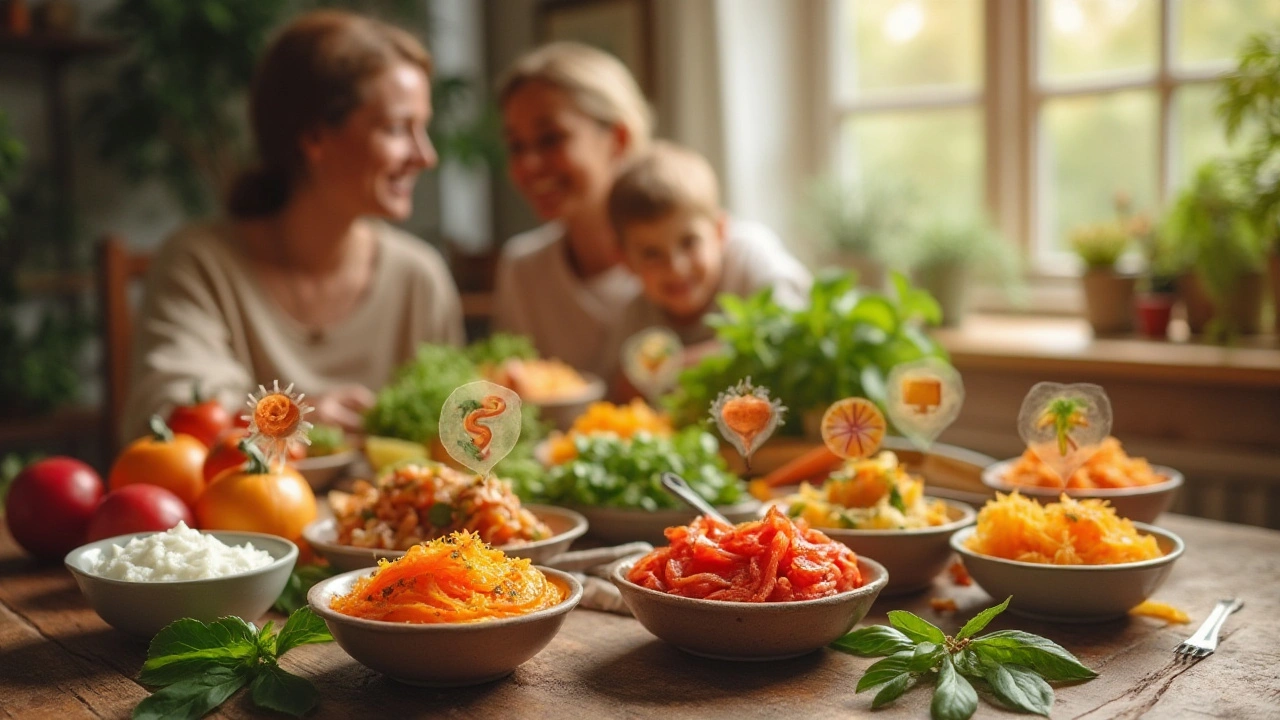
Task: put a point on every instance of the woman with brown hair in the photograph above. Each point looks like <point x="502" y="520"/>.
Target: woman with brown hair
<point x="304" y="282"/>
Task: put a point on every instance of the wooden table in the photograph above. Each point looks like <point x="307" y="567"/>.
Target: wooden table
<point x="58" y="659"/>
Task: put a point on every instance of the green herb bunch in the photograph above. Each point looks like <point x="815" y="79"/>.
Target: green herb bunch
<point x="1015" y="666"/>
<point x="199" y="666"/>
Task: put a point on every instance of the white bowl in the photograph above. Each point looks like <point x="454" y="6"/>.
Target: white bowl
<point x="321" y="471"/>
<point x="912" y="557"/>
<point x="1142" y="503"/>
<point x="142" y="609"/>
<point x="750" y="631"/>
<point x="445" y="654"/>
<point x="563" y="411"/>
<point x="566" y="526"/>
<point x="1071" y="593"/>
<point x="614" y="526"/>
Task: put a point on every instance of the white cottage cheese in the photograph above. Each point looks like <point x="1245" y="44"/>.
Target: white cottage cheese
<point x="179" y="553"/>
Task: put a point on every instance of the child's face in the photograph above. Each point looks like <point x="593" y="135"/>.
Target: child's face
<point x="679" y="259"/>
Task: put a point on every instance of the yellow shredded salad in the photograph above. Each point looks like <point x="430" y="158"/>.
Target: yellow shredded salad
<point x="871" y="494"/>
<point x="1068" y="532"/>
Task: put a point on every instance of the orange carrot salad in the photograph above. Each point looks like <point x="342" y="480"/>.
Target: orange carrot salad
<point x="1110" y="467"/>
<point x="1068" y="532"/>
<point x="769" y="560"/>
<point x="456" y="579"/>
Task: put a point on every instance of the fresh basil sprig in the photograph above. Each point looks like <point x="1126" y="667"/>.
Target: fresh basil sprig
<point x="199" y="666"/>
<point x="1014" y="665"/>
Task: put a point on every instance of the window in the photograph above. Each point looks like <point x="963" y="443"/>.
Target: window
<point x="1041" y="110"/>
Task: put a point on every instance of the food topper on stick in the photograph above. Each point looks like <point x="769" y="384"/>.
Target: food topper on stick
<point x="276" y="419"/>
<point x="479" y="424"/>
<point x="746" y="417"/>
<point x="651" y="361"/>
<point x="853" y="428"/>
<point x="924" y="398"/>
<point x="1065" y="424"/>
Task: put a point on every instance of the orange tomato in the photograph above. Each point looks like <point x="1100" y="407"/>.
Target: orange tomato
<point x="253" y="498"/>
<point x="174" y="462"/>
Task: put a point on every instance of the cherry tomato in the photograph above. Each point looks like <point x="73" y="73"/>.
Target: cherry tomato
<point x="49" y="505"/>
<point x="226" y="454"/>
<point x="137" y="508"/>
<point x="256" y="498"/>
<point x="204" y="420"/>
<point x="173" y="462"/>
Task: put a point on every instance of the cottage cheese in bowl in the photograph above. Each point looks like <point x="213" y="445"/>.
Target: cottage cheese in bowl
<point x="177" y="554"/>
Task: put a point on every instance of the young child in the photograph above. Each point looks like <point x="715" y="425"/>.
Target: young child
<point x="665" y="210"/>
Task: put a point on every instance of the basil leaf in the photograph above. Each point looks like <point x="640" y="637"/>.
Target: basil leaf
<point x="954" y="698"/>
<point x="187" y="647"/>
<point x="968" y="663"/>
<point x="1014" y="647"/>
<point x="874" y="641"/>
<point x="982" y="619"/>
<point x="304" y="627"/>
<point x="193" y="697"/>
<point x="295" y="591"/>
<point x="275" y="689"/>
<point x="1020" y="688"/>
<point x="885" y="670"/>
<point x="892" y="690"/>
<point x="924" y="657"/>
<point x="915" y="627"/>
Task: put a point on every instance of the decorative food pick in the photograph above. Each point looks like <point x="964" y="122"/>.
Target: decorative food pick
<point x="853" y="428"/>
<point x="651" y="360"/>
<point x="1065" y="424"/>
<point x="276" y="419"/>
<point x="479" y="424"/>
<point x="924" y="398"/>
<point x="746" y="417"/>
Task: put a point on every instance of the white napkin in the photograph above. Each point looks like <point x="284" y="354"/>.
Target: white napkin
<point x="592" y="568"/>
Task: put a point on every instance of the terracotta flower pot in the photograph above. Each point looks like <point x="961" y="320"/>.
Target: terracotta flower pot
<point x="1243" y="305"/>
<point x="1154" y="310"/>
<point x="1108" y="297"/>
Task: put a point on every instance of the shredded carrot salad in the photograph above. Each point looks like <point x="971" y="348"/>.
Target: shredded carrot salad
<point x="1110" y="467"/>
<point x="769" y="560"/>
<point x="1068" y="532"/>
<point x="456" y="579"/>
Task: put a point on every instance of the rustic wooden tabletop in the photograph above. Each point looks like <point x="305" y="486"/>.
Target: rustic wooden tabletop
<point x="58" y="659"/>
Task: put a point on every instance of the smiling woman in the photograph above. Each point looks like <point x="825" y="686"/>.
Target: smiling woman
<point x="304" y="280"/>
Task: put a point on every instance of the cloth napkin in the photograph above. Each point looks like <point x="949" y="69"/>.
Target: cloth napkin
<point x="592" y="568"/>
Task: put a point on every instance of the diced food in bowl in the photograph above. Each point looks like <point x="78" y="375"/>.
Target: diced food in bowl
<point x="177" y="554"/>
<point x="1109" y="467"/>
<point x="868" y="494"/>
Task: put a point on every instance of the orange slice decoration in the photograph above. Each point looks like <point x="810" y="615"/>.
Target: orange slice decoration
<point x="853" y="428"/>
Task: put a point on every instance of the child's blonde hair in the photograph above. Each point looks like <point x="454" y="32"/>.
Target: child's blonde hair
<point x="599" y="85"/>
<point x="666" y="178"/>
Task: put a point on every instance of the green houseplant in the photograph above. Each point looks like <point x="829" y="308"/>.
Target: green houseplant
<point x="1108" y="292"/>
<point x="859" y="223"/>
<point x="945" y="255"/>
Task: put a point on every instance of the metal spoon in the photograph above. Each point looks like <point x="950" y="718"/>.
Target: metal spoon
<point x="678" y="487"/>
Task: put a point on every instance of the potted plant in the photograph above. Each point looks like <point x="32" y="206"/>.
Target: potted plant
<point x="1108" y="293"/>
<point x="859" y="223"/>
<point x="1211" y="240"/>
<point x="945" y="255"/>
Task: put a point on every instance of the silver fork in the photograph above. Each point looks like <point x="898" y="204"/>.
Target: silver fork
<point x="1205" y="641"/>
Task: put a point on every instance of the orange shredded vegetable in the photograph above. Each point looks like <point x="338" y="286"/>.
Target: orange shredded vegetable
<point x="942" y="605"/>
<point x="959" y="574"/>
<point x="1110" y="467"/>
<point x="1068" y="532"/>
<point x="1160" y="611"/>
<point x="455" y="579"/>
<point x="769" y="560"/>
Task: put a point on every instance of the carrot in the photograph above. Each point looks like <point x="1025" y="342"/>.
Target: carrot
<point x="818" y="461"/>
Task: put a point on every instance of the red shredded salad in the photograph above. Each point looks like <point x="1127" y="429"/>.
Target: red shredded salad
<point x="769" y="560"/>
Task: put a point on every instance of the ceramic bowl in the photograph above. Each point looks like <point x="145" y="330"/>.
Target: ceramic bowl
<point x="142" y="609"/>
<point x="1140" y="504"/>
<point x="912" y="557"/>
<point x="321" y="471"/>
<point x="566" y="526"/>
<point x="563" y="411"/>
<point x="750" y="631"/>
<point x="1071" y="593"/>
<point x="614" y="526"/>
<point x="443" y="655"/>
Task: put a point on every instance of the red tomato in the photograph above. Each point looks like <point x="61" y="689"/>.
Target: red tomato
<point x="225" y="454"/>
<point x="204" y="420"/>
<point x="137" y="508"/>
<point x="49" y="505"/>
<point x="174" y="462"/>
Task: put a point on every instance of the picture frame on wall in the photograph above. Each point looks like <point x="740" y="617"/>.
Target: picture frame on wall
<point x="623" y="28"/>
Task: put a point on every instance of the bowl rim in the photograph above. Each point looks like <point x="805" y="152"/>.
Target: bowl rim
<point x="570" y="601"/>
<point x="327" y="462"/>
<point x="289" y="557"/>
<point x="968" y="517"/>
<point x="993" y="477"/>
<point x="619" y="578"/>
<point x="580" y="526"/>
<point x="957" y="544"/>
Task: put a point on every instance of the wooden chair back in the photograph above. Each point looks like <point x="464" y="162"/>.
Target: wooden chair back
<point x="118" y="269"/>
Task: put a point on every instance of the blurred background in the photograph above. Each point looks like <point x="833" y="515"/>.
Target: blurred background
<point x="1044" y="167"/>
